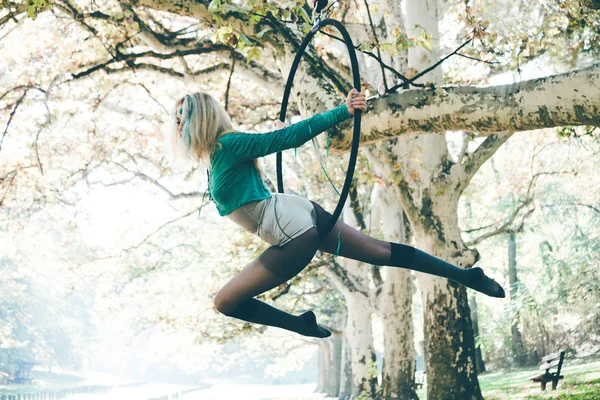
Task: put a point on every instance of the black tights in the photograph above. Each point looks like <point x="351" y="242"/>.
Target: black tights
<point x="277" y="264"/>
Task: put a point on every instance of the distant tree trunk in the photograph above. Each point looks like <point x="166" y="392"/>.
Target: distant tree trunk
<point x="330" y="366"/>
<point x="475" y="318"/>
<point x="346" y="372"/>
<point x="395" y="303"/>
<point x="518" y="348"/>
<point x="359" y="334"/>
<point x="330" y="372"/>
<point x="351" y="279"/>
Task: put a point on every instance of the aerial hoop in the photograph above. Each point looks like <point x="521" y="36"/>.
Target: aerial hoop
<point x="357" y="113"/>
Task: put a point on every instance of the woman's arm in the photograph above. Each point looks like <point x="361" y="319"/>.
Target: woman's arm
<point x="247" y="146"/>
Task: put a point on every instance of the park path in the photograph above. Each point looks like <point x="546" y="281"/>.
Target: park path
<point x="227" y="390"/>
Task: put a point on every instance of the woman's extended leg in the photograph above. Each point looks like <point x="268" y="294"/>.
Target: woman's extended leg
<point x="358" y="246"/>
<point x="273" y="267"/>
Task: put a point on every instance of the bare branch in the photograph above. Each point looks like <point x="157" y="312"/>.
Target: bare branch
<point x="475" y="160"/>
<point x="591" y="207"/>
<point x="431" y="68"/>
<point x="19" y="8"/>
<point x="377" y="45"/>
<point x="506" y="226"/>
<point x="202" y="48"/>
<point x="147" y="237"/>
<point x="11" y="115"/>
<point x="155" y="182"/>
<point x="377" y="58"/>
<point x="229" y="81"/>
<point x="217" y="68"/>
<point x="10" y="178"/>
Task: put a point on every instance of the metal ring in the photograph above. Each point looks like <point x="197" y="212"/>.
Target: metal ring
<point x="357" y="116"/>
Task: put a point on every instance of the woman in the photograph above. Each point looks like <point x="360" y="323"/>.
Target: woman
<point x="291" y="224"/>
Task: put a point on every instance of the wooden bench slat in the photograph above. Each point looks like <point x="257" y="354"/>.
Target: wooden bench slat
<point x="546" y="378"/>
<point x="551" y="364"/>
<point x="552" y="356"/>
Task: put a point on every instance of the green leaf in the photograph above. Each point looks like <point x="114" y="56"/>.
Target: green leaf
<point x="426" y="44"/>
<point x="261" y="33"/>
<point x="215" y="6"/>
<point x="244" y="41"/>
<point x="366" y="46"/>
<point x="304" y="14"/>
<point x="388" y="48"/>
<point x="254" y="19"/>
<point x="34" y="7"/>
<point x="253" y="53"/>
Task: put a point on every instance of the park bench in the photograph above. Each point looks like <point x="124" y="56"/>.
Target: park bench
<point x="554" y="360"/>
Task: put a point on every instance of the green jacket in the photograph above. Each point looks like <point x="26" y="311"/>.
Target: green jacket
<point x="235" y="181"/>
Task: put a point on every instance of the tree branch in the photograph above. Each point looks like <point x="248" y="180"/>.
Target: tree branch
<point x="202" y="48"/>
<point x="155" y="182"/>
<point x="506" y="226"/>
<point x="558" y="100"/>
<point x="465" y="171"/>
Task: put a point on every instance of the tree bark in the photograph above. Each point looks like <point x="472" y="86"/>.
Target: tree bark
<point x="359" y="335"/>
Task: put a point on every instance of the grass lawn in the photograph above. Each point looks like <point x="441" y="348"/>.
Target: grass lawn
<point x="581" y="382"/>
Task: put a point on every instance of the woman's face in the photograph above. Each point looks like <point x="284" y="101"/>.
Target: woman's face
<point x="179" y="117"/>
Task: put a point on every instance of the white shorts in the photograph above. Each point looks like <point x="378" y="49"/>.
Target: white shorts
<point x="278" y="219"/>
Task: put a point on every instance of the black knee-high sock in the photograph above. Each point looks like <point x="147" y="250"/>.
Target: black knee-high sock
<point x="256" y="311"/>
<point x="409" y="257"/>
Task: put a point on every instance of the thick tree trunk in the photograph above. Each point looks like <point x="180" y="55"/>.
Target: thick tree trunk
<point x="432" y="210"/>
<point x="518" y="348"/>
<point x="448" y="329"/>
<point x="516" y="107"/>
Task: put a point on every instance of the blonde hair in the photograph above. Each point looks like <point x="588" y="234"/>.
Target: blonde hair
<point x="202" y="121"/>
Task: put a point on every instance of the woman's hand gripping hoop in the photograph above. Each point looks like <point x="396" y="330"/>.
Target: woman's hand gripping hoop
<point x="357" y="115"/>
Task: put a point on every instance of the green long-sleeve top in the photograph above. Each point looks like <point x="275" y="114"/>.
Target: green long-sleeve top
<point x="234" y="179"/>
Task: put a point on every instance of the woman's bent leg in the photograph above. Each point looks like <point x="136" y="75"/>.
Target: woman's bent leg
<point x="273" y="267"/>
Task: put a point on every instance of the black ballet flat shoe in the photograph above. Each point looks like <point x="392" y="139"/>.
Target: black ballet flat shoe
<point x="478" y="280"/>
<point x="313" y="329"/>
